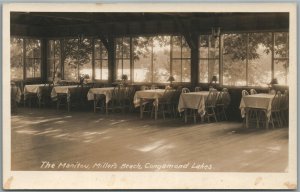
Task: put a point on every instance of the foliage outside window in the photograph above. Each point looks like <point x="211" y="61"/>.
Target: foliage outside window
<point x="53" y="59"/>
<point x="123" y="57"/>
<point x="180" y="59"/>
<point x="28" y="58"/>
<point x="208" y="58"/>
<point x="281" y="57"/>
<point x="77" y="58"/>
<point x="247" y="58"/>
<point x="16" y="58"/>
<point x="151" y="57"/>
<point x="33" y="58"/>
<point x="101" y="61"/>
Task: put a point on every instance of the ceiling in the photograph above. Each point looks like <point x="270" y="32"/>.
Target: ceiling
<point x="116" y="23"/>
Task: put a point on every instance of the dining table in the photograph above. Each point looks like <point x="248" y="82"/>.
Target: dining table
<point x="67" y="90"/>
<point x="261" y="101"/>
<point x="95" y="93"/>
<point x="145" y="96"/>
<point x="35" y="89"/>
<point x="193" y="100"/>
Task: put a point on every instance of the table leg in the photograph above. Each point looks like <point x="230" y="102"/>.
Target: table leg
<point x="156" y="109"/>
<point x="247" y="118"/>
<point x="95" y="103"/>
<point x="69" y="103"/>
<point x="267" y="120"/>
<point x="141" y="109"/>
<point x="185" y="115"/>
<point x="106" y="107"/>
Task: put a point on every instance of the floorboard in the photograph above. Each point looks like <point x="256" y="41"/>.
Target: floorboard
<point x="87" y="138"/>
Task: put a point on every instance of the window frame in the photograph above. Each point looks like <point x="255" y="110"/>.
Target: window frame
<point x="221" y="62"/>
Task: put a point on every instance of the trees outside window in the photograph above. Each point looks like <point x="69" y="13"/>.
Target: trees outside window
<point x="77" y="57"/>
<point x="180" y="59"/>
<point x="53" y="59"/>
<point x="249" y="59"/>
<point x="101" y="61"/>
<point x="281" y="57"/>
<point x="25" y="57"/>
<point x="208" y="58"/>
<point x="16" y="58"/>
<point x="123" y="57"/>
<point x="234" y="59"/>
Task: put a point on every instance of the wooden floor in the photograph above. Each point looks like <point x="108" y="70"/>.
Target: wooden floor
<point x="123" y="142"/>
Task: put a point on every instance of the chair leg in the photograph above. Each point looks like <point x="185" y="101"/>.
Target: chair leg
<point x="215" y="116"/>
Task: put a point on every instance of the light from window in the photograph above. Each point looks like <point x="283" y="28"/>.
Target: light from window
<point x="234" y="59"/>
<point x="16" y="58"/>
<point x="33" y="58"/>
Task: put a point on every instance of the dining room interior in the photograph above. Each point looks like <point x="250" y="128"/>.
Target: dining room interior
<point x="150" y="88"/>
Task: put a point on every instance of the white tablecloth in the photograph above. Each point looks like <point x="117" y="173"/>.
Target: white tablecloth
<point x="147" y="94"/>
<point x="36" y="89"/>
<point x="193" y="100"/>
<point x="257" y="101"/>
<point x="68" y="90"/>
<point x="95" y="92"/>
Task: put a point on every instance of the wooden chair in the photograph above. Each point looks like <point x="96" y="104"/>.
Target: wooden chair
<point x="244" y="93"/>
<point x="164" y="104"/>
<point x="197" y="89"/>
<point x="222" y="104"/>
<point x="285" y="108"/>
<point x="275" y="116"/>
<point x="144" y="87"/>
<point x="253" y="91"/>
<point x="210" y="105"/>
<point x="128" y="98"/>
<point x="185" y="90"/>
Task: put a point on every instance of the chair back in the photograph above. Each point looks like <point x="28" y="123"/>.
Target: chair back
<point x="253" y="91"/>
<point x="225" y="89"/>
<point x="284" y="100"/>
<point x="154" y="87"/>
<point x="244" y="93"/>
<point x="144" y="87"/>
<point x="211" y="99"/>
<point x="276" y="102"/>
<point x="168" y="95"/>
<point x="185" y="90"/>
<point x="176" y="96"/>
<point x="197" y="89"/>
<point x="129" y="92"/>
<point x="226" y="99"/>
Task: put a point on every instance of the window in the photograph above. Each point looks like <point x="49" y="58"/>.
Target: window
<point x="101" y="61"/>
<point x="281" y="57"/>
<point x="16" y="58"/>
<point x="123" y="57"/>
<point x="142" y="58"/>
<point x="77" y="58"/>
<point x="53" y="59"/>
<point x="234" y="59"/>
<point x="208" y="58"/>
<point x="180" y="59"/>
<point x="33" y="58"/>
<point x="259" y="59"/>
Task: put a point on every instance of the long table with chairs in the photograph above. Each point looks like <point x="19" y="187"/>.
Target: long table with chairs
<point x="60" y="93"/>
<point x="35" y="91"/>
<point x="157" y="97"/>
<point x="264" y="108"/>
<point x="204" y="103"/>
